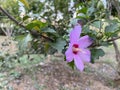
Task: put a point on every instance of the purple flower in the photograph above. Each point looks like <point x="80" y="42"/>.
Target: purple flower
<point x="77" y="49"/>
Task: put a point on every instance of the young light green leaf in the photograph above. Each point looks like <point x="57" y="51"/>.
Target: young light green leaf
<point x="36" y="24"/>
<point x="25" y="2"/>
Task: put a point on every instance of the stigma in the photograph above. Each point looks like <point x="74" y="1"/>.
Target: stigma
<point x="75" y="48"/>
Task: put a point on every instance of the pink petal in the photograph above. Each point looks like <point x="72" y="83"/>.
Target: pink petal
<point x="69" y="54"/>
<point x="85" y="41"/>
<point x="75" y="33"/>
<point x="85" y="55"/>
<point x="78" y="62"/>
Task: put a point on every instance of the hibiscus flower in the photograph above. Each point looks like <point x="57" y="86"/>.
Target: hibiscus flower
<point x="77" y="49"/>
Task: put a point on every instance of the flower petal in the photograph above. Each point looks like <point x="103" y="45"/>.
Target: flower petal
<point x="75" y="33"/>
<point x="69" y="54"/>
<point x="85" y="41"/>
<point x="78" y="62"/>
<point x="85" y="55"/>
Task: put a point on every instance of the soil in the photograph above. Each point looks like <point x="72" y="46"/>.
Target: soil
<point x="55" y="74"/>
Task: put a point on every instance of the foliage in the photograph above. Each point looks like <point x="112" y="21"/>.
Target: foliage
<point x="47" y="24"/>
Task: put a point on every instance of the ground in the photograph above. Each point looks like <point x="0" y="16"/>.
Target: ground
<point x="53" y="73"/>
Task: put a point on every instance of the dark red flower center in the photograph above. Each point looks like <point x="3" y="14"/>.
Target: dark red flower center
<point x="75" y="46"/>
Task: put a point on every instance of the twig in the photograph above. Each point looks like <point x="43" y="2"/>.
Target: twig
<point x="113" y="39"/>
<point x="11" y="17"/>
<point x="109" y="40"/>
<point x="33" y="32"/>
<point x="117" y="52"/>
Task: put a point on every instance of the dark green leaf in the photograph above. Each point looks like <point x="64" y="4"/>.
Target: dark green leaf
<point x="71" y="64"/>
<point x="25" y="18"/>
<point x="59" y="44"/>
<point x="96" y="53"/>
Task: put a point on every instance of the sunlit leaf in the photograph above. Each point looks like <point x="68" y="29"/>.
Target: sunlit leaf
<point x="25" y="2"/>
<point x="83" y="10"/>
<point x="36" y="23"/>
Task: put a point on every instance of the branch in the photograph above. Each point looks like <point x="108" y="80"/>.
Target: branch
<point x="33" y="32"/>
<point x="109" y="40"/>
<point x="116" y="51"/>
<point x="11" y="17"/>
<point x="113" y="39"/>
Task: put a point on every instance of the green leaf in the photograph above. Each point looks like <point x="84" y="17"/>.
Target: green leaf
<point x="59" y="44"/>
<point x="83" y="10"/>
<point x="82" y="16"/>
<point x="25" y="2"/>
<point x="36" y="24"/>
<point x="111" y="28"/>
<point x="96" y="53"/>
<point x="48" y="30"/>
<point x="25" y="18"/>
<point x="71" y="64"/>
<point x="15" y="74"/>
<point x="97" y="24"/>
<point x="90" y="11"/>
<point x="106" y="44"/>
<point x="73" y="21"/>
<point x="24" y="41"/>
